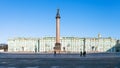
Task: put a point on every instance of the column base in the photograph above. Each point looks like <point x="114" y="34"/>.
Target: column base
<point x="57" y="47"/>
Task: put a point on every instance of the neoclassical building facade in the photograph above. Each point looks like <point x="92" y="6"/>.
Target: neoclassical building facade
<point x="68" y="44"/>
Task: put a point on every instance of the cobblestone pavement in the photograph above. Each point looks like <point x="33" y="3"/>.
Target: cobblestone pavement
<point x="61" y="61"/>
<point x="39" y="55"/>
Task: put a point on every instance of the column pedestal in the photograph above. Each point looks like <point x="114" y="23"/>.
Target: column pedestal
<point x="57" y="47"/>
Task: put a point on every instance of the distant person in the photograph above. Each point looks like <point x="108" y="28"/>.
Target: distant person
<point x="54" y="53"/>
<point x="84" y="53"/>
<point x="81" y="53"/>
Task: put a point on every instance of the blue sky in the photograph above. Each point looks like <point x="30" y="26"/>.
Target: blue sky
<point x="79" y="18"/>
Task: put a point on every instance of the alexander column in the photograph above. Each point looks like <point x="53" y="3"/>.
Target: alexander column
<point x="57" y="47"/>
